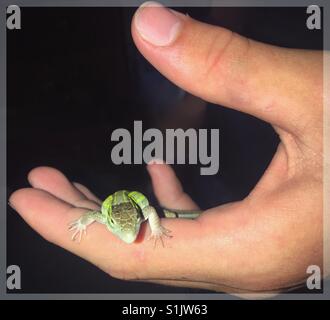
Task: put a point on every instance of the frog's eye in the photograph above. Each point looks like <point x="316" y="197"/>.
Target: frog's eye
<point x="112" y="221"/>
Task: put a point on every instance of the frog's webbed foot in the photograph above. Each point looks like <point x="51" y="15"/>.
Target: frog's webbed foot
<point x="79" y="226"/>
<point x="158" y="233"/>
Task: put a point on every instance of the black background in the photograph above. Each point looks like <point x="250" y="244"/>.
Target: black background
<point x="73" y="76"/>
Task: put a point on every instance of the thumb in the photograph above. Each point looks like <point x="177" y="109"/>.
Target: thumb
<point x="275" y="84"/>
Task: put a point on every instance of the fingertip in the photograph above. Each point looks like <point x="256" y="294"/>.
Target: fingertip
<point x="38" y="173"/>
<point x="45" y="213"/>
<point x="25" y="198"/>
<point x="156" y="161"/>
<point x="17" y="196"/>
<point x="55" y="182"/>
<point x="155" y="164"/>
<point x="157" y="24"/>
<point x="29" y="202"/>
<point x="159" y="170"/>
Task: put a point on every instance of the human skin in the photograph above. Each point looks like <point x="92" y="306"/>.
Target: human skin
<point x="263" y="243"/>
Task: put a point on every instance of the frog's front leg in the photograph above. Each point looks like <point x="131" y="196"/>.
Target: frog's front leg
<point x="79" y="226"/>
<point x="157" y="230"/>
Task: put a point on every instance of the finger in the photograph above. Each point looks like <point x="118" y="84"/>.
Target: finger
<point x="87" y="193"/>
<point x="225" y="68"/>
<point x="44" y="212"/>
<point x="55" y="182"/>
<point x="168" y="189"/>
<point x="50" y="217"/>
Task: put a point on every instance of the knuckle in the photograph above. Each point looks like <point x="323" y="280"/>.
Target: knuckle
<point x="227" y="66"/>
<point x="216" y="53"/>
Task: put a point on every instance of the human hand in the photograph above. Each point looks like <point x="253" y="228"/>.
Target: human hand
<point x="263" y="243"/>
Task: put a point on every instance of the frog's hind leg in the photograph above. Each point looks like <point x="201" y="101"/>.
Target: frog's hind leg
<point x="79" y="226"/>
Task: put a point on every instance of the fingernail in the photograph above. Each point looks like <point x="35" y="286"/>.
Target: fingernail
<point x="157" y="24"/>
<point x="155" y="161"/>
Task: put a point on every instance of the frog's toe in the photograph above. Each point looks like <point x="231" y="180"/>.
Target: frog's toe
<point x="158" y="235"/>
<point x="78" y="228"/>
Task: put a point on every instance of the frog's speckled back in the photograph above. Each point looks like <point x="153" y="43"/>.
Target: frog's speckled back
<point x="127" y="216"/>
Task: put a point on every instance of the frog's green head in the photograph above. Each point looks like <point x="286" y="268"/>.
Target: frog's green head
<point x="125" y="231"/>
